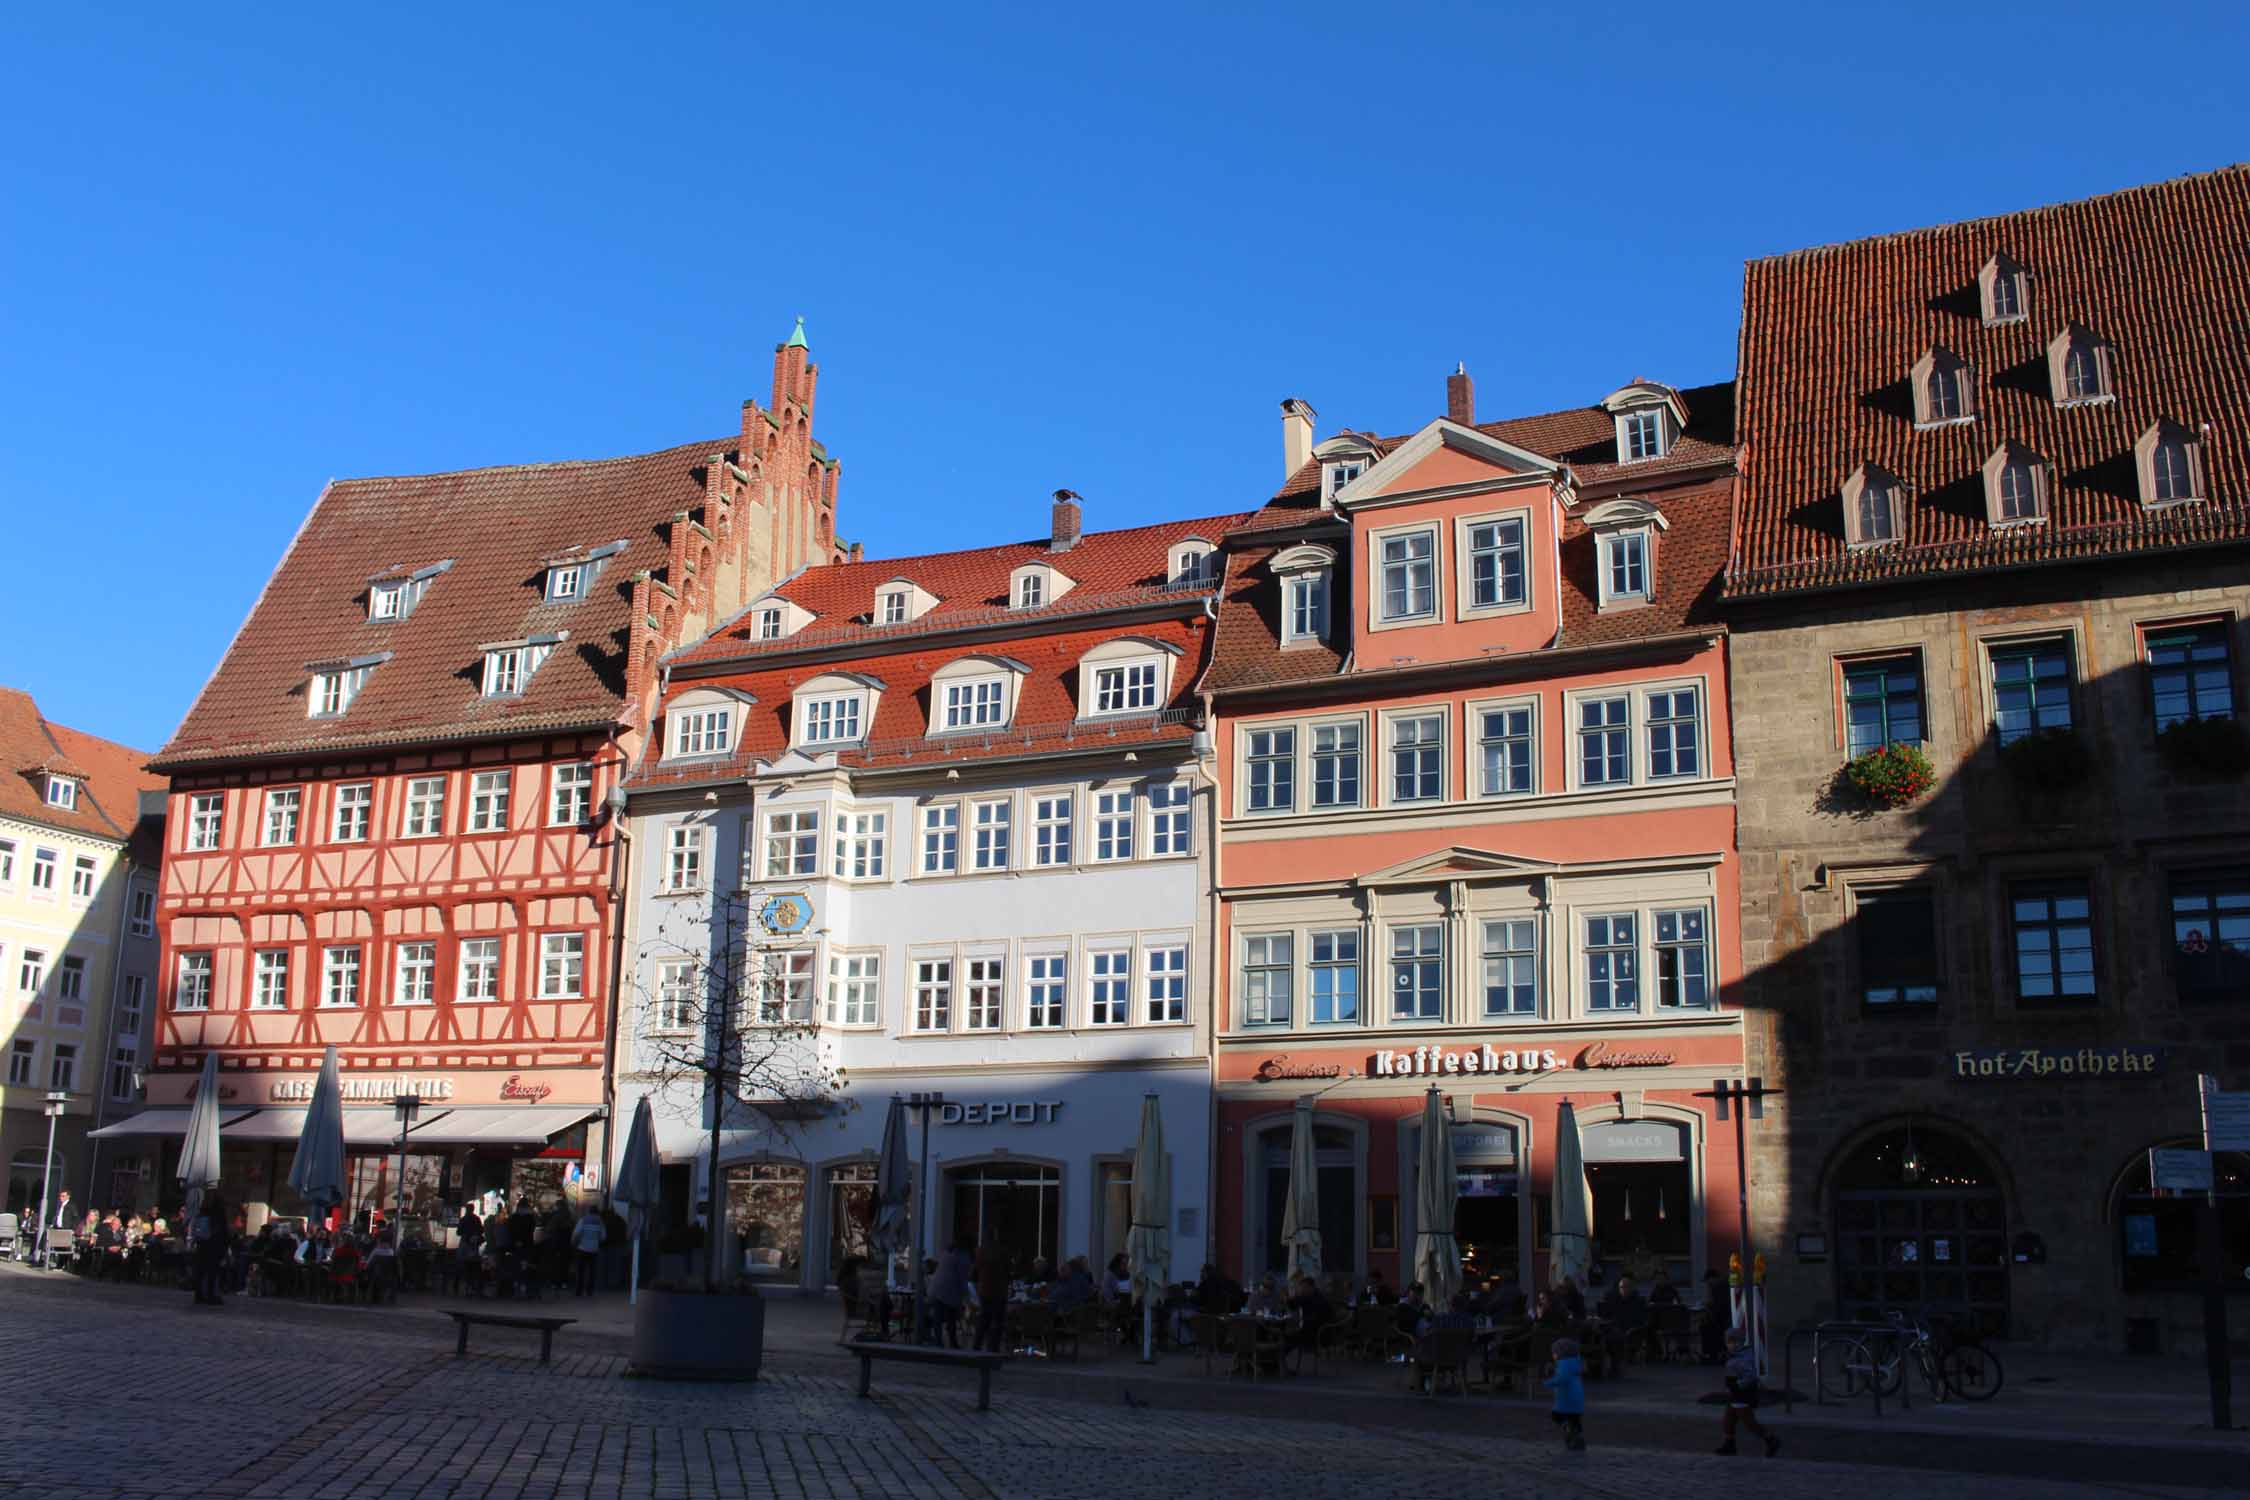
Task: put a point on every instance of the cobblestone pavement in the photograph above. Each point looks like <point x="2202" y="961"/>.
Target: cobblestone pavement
<point x="129" y="1393"/>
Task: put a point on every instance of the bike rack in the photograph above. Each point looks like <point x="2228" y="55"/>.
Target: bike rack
<point x="1834" y="1329"/>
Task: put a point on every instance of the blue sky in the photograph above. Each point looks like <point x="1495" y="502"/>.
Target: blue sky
<point x="1036" y="247"/>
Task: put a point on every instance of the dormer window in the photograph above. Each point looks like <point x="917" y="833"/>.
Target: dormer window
<point x="833" y="709"/>
<point x="975" y="692"/>
<point x="1625" y="534"/>
<point x="1190" y="562"/>
<point x="769" y="623"/>
<point x="900" y="602"/>
<point x="891" y="608"/>
<point x="1334" y="476"/>
<point x="1031" y="591"/>
<point x="1130" y="675"/>
<point x="1649" y="416"/>
<point x="831" y="720"/>
<point x="1944" y="389"/>
<point x="62" y="792"/>
<point x="2002" y="291"/>
<point x="509" y="665"/>
<point x="570" y="576"/>
<point x="336" y="683"/>
<point x="566" y="582"/>
<point x="1036" y="584"/>
<point x="1872" y="511"/>
<point x="1625" y="566"/>
<point x="386" y="601"/>
<point x="2169" y="459"/>
<point x="2081" y="367"/>
<point x="393" y="595"/>
<point x="1343" y="458"/>
<point x="2015" y="486"/>
<point x="706" y="730"/>
<point x="1307" y="574"/>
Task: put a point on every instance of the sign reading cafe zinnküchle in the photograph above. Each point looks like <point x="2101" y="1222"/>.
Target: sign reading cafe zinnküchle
<point x="2058" y="1062"/>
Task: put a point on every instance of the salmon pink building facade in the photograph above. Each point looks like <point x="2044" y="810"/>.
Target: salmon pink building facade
<point x="1476" y="833"/>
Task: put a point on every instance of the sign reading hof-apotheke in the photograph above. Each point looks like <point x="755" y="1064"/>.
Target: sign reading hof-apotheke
<point x="2058" y="1062"/>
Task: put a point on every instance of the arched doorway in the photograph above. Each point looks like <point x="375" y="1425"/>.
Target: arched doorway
<point x="1921" y="1226"/>
<point x="1491" y="1221"/>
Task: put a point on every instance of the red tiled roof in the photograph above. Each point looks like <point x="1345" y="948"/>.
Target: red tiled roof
<point x="496" y="526"/>
<point x="1829" y="335"/>
<point x="1109" y="570"/>
<point x="110" y="774"/>
<point x="1046" y="718"/>
<point x="1584" y="437"/>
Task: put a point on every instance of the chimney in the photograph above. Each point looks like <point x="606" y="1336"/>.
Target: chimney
<point x="1064" y="534"/>
<point x="1296" y="435"/>
<point x="1460" y="397"/>
<point x="858" y="552"/>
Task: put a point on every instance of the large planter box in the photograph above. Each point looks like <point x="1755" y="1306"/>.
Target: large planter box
<point x="681" y="1336"/>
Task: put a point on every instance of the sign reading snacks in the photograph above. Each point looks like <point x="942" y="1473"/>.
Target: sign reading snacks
<point x="2058" y="1062"/>
<point x="1001" y="1112"/>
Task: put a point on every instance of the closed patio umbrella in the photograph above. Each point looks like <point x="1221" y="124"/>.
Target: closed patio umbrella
<point x="199" y="1148"/>
<point x="1437" y="1259"/>
<point x="1571" y="1252"/>
<point x="318" y="1171"/>
<point x="892" y="1230"/>
<point x="1300" y="1218"/>
<point x="636" y="1185"/>
<point x="1148" y="1247"/>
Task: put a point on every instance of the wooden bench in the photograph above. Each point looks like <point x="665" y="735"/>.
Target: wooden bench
<point x="546" y="1327"/>
<point x="984" y="1362"/>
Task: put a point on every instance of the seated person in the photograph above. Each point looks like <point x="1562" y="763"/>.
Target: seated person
<point x="1217" y="1293"/>
<point x="1412" y="1309"/>
<point x="1570" y="1298"/>
<point x="1662" y="1293"/>
<point x="1379" y="1290"/>
<point x="1313" y="1310"/>
<point x="1625" y="1314"/>
<point x="1076" y="1286"/>
<point x="1455" y="1315"/>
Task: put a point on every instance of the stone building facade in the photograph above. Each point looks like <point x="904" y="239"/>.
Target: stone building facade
<point x="1985" y="1005"/>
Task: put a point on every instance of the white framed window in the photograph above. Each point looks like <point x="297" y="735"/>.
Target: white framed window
<point x="832" y="720"/>
<point x="339" y="976"/>
<point x="1625" y="573"/>
<point x="1109" y="992"/>
<point x="570" y="794"/>
<point x="415" y="983"/>
<point x="676" y="1009"/>
<point x="862" y="844"/>
<point x="855" y="989"/>
<point x="976" y="703"/>
<point x="984" y="997"/>
<point x="1335" y="977"/>
<point x="1113" y="824"/>
<point x="1306" y="618"/>
<point x="23" y="1062"/>
<point x="1417" y="758"/>
<point x="62" y="792"/>
<point x="1164" y="984"/>
<point x="1498" y="573"/>
<point x="31" y="973"/>
<point x="333" y="691"/>
<point x="507" y="669"/>
<point x="683" y="857"/>
<point x="1046" y="990"/>
<point x="1643" y="435"/>
<point x="269" y="986"/>
<point x="1605" y="751"/>
<point x="1506" y="747"/>
<point x="1337" y="473"/>
<point x="989" y="828"/>
<point x="124" y="1062"/>
<point x="283" y="803"/>
<point x="1674" y="731"/>
<point x="1269" y="978"/>
<point x="7" y="861"/>
<point x="386" y="601"/>
<point x="562" y="965"/>
<point x="892" y="608"/>
<point x="142" y="919"/>
<point x="1127" y="687"/>
<point x="206" y="820"/>
<point x="82" y="869"/>
<point x="1031" y="590"/>
<point x="566" y="582"/>
<point x="1406" y="575"/>
<point x="793" y="844"/>
<point x="1683" y="959"/>
<point x="1270" y="769"/>
<point x="786" y="990"/>
<point x="769" y="624"/>
<point x="1168" y="821"/>
<point x="941" y="838"/>
<point x="1051" y="816"/>
<point x="1613" y="963"/>
<point x="1335" y="765"/>
<point x="1418" y="972"/>
<point x="425" y="807"/>
<point x="933" y="994"/>
<point x="1511" y="967"/>
<point x="479" y="979"/>
<point x="192" y="988"/>
<point x="129" y="1005"/>
<point x="44" y="863"/>
<point x="63" y="1075"/>
<point x="488" y="801"/>
<point x="702" y="731"/>
<point x="355" y="805"/>
<point x="70" y="982"/>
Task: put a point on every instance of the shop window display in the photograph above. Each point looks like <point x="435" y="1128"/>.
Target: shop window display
<point x="1018" y="1204"/>
<point x="766" y="1216"/>
<point x="2156" y="1236"/>
<point x="851" y="1213"/>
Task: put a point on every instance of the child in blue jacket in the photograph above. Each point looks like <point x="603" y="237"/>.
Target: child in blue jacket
<point x="1569" y="1385"/>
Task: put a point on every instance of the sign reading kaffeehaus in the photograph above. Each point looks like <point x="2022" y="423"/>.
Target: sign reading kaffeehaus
<point x="2058" y="1062"/>
<point x="1486" y="1058"/>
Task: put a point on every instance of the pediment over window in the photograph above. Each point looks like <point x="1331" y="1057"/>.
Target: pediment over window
<point x="2168" y="458"/>
<point x="1446" y="458"/>
<point x="1945" y="388"/>
<point x="2003" y="291"/>
<point x="1455" y="863"/>
<point x="1626" y="510"/>
<point x="1302" y="558"/>
<point x="2018" y="486"/>
<point x="2081" y="366"/>
<point x="1650" y="417"/>
<point x="1874" y="507"/>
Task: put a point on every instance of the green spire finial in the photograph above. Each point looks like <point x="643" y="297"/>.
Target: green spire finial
<point x="797" y="338"/>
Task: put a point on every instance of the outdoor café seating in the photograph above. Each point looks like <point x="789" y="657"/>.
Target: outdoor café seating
<point x="1256" y="1342"/>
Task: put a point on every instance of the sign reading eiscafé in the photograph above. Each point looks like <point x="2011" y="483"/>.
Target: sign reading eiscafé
<point x="1423" y="1061"/>
<point x="2058" y="1062"/>
<point x="384" y="1088"/>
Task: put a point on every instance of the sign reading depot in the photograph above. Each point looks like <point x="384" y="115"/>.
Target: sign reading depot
<point x="1001" y="1112"/>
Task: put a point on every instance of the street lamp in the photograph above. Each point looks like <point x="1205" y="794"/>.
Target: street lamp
<point x="406" y="1107"/>
<point x="57" y="1104"/>
<point x="1742" y="1102"/>
<point x="927" y="1103"/>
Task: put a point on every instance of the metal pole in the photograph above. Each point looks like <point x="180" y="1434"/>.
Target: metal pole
<point x="1742" y="1204"/>
<point x="46" y="1179"/>
<point x="921" y="1228"/>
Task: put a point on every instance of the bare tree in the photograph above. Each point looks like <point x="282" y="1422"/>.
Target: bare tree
<point x="726" y="1019"/>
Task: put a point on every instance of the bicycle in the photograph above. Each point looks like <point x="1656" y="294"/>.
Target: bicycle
<point x="1960" y="1368"/>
